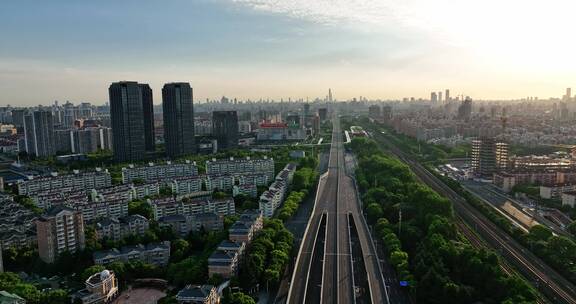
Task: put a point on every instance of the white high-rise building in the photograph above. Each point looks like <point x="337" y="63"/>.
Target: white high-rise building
<point x="39" y="133"/>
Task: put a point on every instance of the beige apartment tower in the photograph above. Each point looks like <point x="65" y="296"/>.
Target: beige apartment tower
<point x="61" y="229"/>
<point x="488" y="156"/>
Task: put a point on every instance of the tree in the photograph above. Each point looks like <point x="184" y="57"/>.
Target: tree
<point x="241" y="298"/>
<point x="219" y="195"/>
<point x="165" y="191"/>
<point x="562" y="249"/>
<point x="27" y="291"/>
<point x="430" y="254"/>
<point x="142" y="208"/>
<point x="88" y="272"/>
<point x="215" y="280"/>
<point x="28" y="203"/>
<point x="398" y="257"/>
<point x="92" y="242"/>
<point x="540" y="233"/>
<point x="374" y="212"/>
<point x="10" y="282"/>
<point x="57" y="296"/>
<point x="179" y="248"/>
<point x="572" y="228"/>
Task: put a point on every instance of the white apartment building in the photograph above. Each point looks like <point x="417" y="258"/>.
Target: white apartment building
<point x="159" y="172"/>
<point x="241" y="166"/>
<point x="153" y="253"/>
<point x="555" y="191"/>
<point x="94" y="210"/>
<point x="569" y="198"/>
<point x="271" y="199"/>
<point x="118" y="228"/>
<point x="170" y="206"/>
<point x="223" y="182"/>
<point x="77" y="181"/>
<point x="186" y="185"/>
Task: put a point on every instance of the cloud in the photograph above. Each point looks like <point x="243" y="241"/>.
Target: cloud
<point x="525" y="33"/>
<point x="328" y="12"/>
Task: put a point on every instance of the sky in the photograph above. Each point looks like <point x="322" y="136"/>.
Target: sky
<point x="381" y="49"/>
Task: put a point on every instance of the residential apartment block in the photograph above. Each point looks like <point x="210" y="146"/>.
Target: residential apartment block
<point x="60" y="229"/>
<point x="186" y="184"/>
<point x="187" y="207"/>
<point x="569" y="198"/>
<point x="223" y="263"/>
<point x="159" y="172"/>
<point x="94" y="210"/>
<point x="118" y="228"/>
<point x="555" y="191"/>
<point x="196" y="294"/>
<point x="154" y="253"/>
<point x="77" y="181"/>
<point x="272" y="198"/>
<point x="17" y="224"/>
<point x="225" y="260"/>
<point x="250" y="190"/>
<point x="184" y="224"/>
<point x="241" y="166"/>
<point x="507" y="180"/>
<point x="489" y="156"/>
<point x="244" y="229"/>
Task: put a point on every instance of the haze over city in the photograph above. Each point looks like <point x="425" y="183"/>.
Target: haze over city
<point x="252" y="49"/>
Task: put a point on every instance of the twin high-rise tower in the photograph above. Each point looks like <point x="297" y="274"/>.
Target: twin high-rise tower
<point x="131" y="113"/>
<point x="132" y="116"/>
<point x="178" y="113"/>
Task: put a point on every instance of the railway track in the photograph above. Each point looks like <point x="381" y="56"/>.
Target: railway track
<point x="544" y="278"/>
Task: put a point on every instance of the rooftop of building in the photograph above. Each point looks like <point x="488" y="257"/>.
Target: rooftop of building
<point x="172" y="219"/>
<point x="195" y="291"/>
<point x="234" y="160"/>
<point x="131" y="249"/>
<point x="220" y="255"/>
<point x="99" y="277"/>
<point x="229" y="245"/>
<point x="57" y="210"/>
<point x="207" y="216"/>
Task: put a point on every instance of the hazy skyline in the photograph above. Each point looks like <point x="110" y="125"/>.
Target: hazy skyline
<point x="73" y="50"/>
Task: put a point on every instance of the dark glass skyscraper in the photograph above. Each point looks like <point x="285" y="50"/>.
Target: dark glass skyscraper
<point x="148" y="108"/>
<point x="178" y="112"/>
<point x="127" y="117"/>
<point x="225" y="129"/>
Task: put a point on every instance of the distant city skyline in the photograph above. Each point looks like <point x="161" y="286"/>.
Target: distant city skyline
<point x="252" y="49"/>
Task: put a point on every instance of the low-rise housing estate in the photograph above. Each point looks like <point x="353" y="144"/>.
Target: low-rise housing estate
<point x="188" y="207"/>
<point x="118" y="228"/>
<point x="153" y="253"/>
<point x="246" y="165"/>
<point x="159" y="172"/>
<point x="271" y="199"/>
<point x="244" y="229"/>
<point x="77" y="181"/>
<point x="223" y="263"/>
